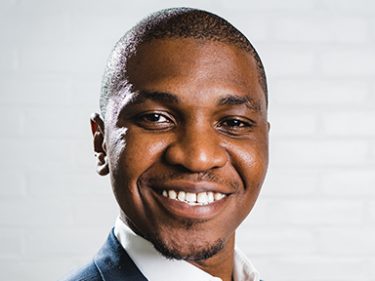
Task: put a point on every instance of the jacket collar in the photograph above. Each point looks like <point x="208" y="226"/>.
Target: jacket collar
<point x="115" y="264"/>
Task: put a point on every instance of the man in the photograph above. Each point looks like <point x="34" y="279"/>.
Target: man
<point x="183" y="135"/>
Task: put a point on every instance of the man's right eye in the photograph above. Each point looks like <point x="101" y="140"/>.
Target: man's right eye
<point x="154" y="121"/>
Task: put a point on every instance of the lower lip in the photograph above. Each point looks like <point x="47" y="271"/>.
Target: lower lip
<point x="183" y="210"/>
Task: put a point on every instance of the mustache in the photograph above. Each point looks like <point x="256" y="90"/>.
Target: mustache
<point x="196" y="177"/>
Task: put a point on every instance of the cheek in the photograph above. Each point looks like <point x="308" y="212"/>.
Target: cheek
<point x="250" y="160"/>
<point x="140" y="153"/>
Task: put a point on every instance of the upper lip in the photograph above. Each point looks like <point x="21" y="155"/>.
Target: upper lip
<point x="189" y="186"/>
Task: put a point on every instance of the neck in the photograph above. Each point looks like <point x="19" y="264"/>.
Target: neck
<point x="221" y="265"/>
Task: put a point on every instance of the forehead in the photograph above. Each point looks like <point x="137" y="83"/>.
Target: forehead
<point x="190" y="67"/>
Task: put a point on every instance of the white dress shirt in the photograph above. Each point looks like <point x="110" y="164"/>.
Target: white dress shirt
<point x="156" y="267"/>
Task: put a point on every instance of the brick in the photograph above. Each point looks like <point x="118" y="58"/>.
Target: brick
<point x="353" y="182"/>
<point x="371" y="157"/>
<point x="35" y="154"/>
<point x="37" y="269"/>
<point x="353" y="241"/>
<point x="275" y="241"/>
<point x="371" y="268"/>
<point x="83" y="155"/>
<point x="306" y="211"/>
<point x="286" y="182"/>
<point x="12" y="121"/>
<point x="314" y="268"/>
<point x="371" y="211"/>
<point x="13" y="183"/>
<point x="296" y="122"/>
<point x="41" y="243"/>
<point x="86" y="90"/>
<point x="106" y="210"/>
<point x="37" y="89"/>
<point x="347" y="7"/>
<point x="48" y="25"/>
<point x="100" y="27"/>
<point x="35" y="212"/>
<point x="348" y="63"/>
<point x="314" y="29"/>
<point x="58" y="58"/>
<point x="318" y="153"/>
<point x="254" y="27"/>
<point x="349" y="123"/>
<point x="284" y="62"/>
<point x="11" y="243"/>
<point x="58" y="122"/>
<point x="72" y="184"/>
<point x="8" y="59"/>
<point x="319" y="92"/>
<point x="268" y="6"/>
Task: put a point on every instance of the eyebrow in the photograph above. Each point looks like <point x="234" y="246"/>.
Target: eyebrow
<point x="249" y="102"/>
<point x="163" y="97"/>
<point x="142" y="96"/>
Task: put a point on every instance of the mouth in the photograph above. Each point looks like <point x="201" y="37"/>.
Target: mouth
<point x="193" y="201"/>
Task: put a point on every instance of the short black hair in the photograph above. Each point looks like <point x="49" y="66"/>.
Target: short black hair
<point x="172" y="23"/>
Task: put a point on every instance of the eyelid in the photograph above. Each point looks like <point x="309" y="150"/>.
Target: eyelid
<point x="243" y="120"/>
<point x="245" y="128"/>
<point x="140" y="120"/>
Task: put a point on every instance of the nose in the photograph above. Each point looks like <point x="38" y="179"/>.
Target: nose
<point x="197" y="151"/>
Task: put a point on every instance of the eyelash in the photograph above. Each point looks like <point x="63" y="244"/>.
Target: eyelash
<point x="149" y="121"/>
<point x="152" y="121"/>
<point x="238" y="126"/>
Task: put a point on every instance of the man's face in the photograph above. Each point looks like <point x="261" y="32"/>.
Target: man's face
<point x="187" y="145"/>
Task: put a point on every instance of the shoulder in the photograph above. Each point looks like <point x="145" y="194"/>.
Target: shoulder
<point x="88" y="272"/>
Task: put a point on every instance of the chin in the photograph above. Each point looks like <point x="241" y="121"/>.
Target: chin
<point x="187" y="251"/>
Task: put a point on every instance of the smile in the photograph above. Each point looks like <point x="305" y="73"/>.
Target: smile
<point x="194" y="199"/>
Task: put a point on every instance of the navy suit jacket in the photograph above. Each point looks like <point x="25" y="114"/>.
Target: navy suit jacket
<point x="111" y="263"/>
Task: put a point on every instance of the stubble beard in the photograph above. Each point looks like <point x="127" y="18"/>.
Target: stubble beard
<point x="193" y="251"/>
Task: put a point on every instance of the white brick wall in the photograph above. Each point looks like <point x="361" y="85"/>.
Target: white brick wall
<point x="315" y="219"/>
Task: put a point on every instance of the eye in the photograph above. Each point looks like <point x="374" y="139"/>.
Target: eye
<point x="235" y="125"/>
<point x="154" y="121"/>
<point x="154" y="117"/>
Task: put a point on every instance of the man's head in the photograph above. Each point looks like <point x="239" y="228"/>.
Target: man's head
<point x="167" y="24"/>
<point x="185" y="135"/>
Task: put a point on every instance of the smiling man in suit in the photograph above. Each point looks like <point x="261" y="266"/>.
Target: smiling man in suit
<point x="183" y="135"/>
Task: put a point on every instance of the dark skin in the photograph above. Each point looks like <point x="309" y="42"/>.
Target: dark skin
<point x="194" y="119"/>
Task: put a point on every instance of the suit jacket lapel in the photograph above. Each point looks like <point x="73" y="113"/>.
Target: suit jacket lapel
<point x="114" y="264"/>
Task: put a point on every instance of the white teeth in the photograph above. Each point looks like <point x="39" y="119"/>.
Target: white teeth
<point x="191" y="197"/>
<point x="172" y="194"/>
<point x="181" y="196"/>
<point x="218" y="196"/>
<point x="210" y="197"/>
<point x="201" y="198"/>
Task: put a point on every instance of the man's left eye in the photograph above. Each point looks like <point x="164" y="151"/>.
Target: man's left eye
<point x="235" y="126"/>
<point x="235" y="123"/>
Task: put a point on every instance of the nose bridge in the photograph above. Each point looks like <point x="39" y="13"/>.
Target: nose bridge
<point x="197" y="148"/>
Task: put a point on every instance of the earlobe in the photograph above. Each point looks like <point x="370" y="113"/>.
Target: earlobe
<point x="97" y="129"/>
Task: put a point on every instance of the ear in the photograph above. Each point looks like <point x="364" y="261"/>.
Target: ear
<point x="269" y="126"/>
<point x="97" y="129"/>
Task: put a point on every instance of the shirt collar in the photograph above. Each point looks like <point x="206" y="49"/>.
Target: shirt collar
<point x="156" y="267"/>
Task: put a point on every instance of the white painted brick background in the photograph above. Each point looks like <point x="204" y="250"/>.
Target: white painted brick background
<point x="315" y="219"/>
